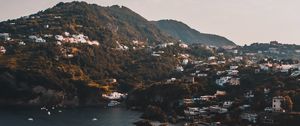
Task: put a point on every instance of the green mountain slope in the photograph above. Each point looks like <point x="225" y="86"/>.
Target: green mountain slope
<point x="183" y="32"/>
<point x="52" y="72"/>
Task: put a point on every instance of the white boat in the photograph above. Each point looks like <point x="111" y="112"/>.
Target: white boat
<point x="94" y="119"/>
<point x="113" y="103"/>
<point x="44" y="108"/>
<point x="114" y="96"/>
<point x="30" y="119"/>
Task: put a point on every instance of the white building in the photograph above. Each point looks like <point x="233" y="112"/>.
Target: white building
<point x="67" y="34"/>
<point x="182" y="45"/>
<point x="202" y="75"/>
<point x="251" y="117"/>
<point x="121" y="47"/>
<point x="277" y="104"/>
<point x="170" y="44"/>
<point x="159" y="52"/>
<point x="234" y="81"/>
<point x="188" y="101"/>
<point x="40" y="40"/>
<point x="185" y="61"/>
<point x="220" y="93"/>
<point x="48" y="35"/>
<point x="22" y="43"/>
<point x="32" y="37"/>
<point x="36" y="39"/>
<point x="192" y="111"/>
<point x="221" y="62"/>
<point x="265" y="67"/>
<point x="223" y="80"/>
<point x="235" y="51"/>
<point x="46" y="26"/>
<point x="274" y="50"/>
<point x="94" y="43"/>
<point x="188" y="79"/>
<point x="207" y="97"/>
<point x="227" y="104"/>
<point x="114" y="96"/>
<point x="218" y="109"/>
<point x="2" y="50"/>
<point x="267" y="90"/>
<point x="171" y="80"/>
<point x="249" y="94"/>
<point x="238" y="58"/>
<point x="179" y="69"/>
<point x="59" y="37"/>
<point x="69" y="55"/>
<point x="212" y="58"/>
<point x="234" y="67"/>
<point x="155" y="55"/>
<point x="197" y="62"/>
<point x="164" y="45"/>
<point x="184" y="55"/>
<point x="220" y="72"/>
<point x="295" y="73"/>
<point x="232" y="72"/>
<point x="285" y="68"/>
<point x="4" y="36"/>
<point x="58" y="43"/>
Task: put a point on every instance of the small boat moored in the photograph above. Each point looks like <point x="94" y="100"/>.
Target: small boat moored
<point x="30" y="119"/>
<point x="94" y="119"/>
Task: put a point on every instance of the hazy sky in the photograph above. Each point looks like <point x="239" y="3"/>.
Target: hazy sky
<point x="243" y="21"/>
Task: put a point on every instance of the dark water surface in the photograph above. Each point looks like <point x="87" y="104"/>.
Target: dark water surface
<point x="69" y="117"/>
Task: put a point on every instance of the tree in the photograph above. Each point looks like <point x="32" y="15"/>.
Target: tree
<point x="289" y="103"/>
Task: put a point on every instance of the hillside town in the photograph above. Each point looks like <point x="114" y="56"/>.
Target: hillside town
<point x="233" y="100"/>
<point x="249" y="89"/>
<point x="81" y="55"/>
<point x="240" y="94"/>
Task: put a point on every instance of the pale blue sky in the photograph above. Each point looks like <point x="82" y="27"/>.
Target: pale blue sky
<point x="243" y="21"/>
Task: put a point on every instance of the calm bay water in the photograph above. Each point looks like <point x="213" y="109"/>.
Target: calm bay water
<point x="69" y="117"/>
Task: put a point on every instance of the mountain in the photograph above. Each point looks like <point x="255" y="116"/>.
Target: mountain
<point x="115" y="23"/>
<point x="73" y="52"/>
<point x="186" y="34"/>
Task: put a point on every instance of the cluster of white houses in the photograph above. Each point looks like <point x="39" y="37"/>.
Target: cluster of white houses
<point x="230" y="79"/>
<point x="79" y="38"/>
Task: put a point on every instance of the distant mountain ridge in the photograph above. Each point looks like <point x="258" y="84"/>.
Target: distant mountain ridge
<point x="185" y="33"/>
